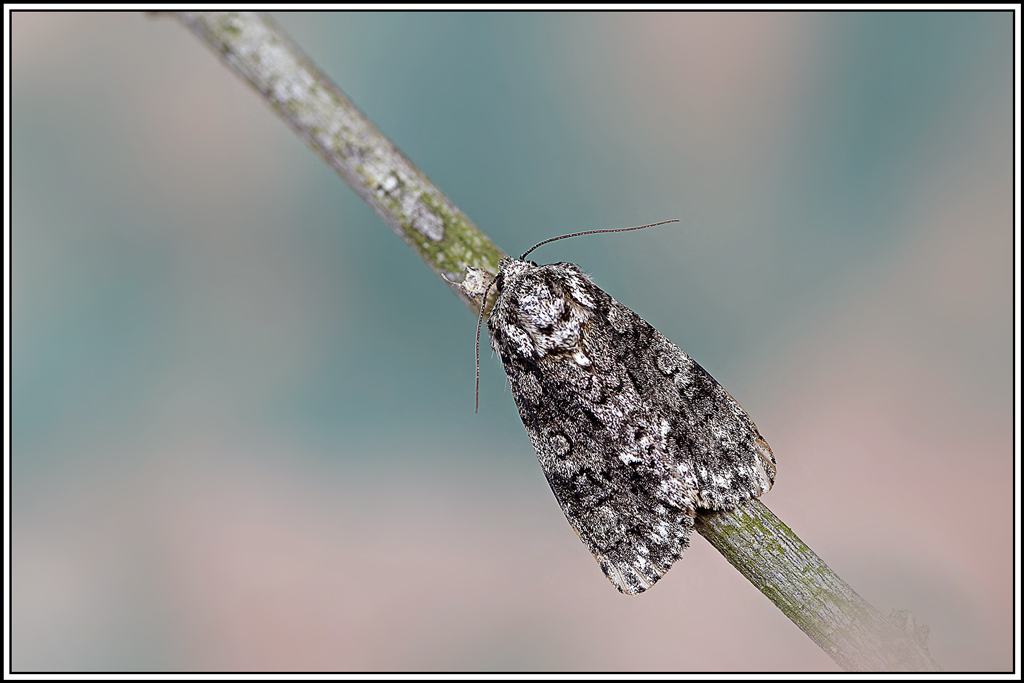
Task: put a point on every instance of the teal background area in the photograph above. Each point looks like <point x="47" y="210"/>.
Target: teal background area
<point x="242" y="428"/>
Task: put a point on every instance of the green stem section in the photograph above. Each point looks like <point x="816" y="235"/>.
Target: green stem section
<point x="821" y="604"/>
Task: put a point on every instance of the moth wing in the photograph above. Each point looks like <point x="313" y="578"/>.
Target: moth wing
<point x="709" y="430"/>
<point x="605" y="452"/>
<point x="617" y="486"/>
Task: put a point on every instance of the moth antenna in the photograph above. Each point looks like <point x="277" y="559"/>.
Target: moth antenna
<point x="479" y="324"/>
<point x="591" y="232"/>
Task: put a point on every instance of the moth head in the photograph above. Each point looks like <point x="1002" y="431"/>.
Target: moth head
<point x="510" y="270"/>
<point x="478" y="284"/>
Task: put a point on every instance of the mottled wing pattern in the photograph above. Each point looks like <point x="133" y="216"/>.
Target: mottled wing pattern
<point x="709" y="429"/>
<point x="631" y="433"/>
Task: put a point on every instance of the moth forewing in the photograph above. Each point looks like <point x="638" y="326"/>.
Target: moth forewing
<point x="632" y="434"/>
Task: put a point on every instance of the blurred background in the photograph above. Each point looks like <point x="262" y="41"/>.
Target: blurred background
<point x="242" y="409"/>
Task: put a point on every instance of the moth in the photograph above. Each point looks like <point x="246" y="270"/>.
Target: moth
<point x="633" y="435"/>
